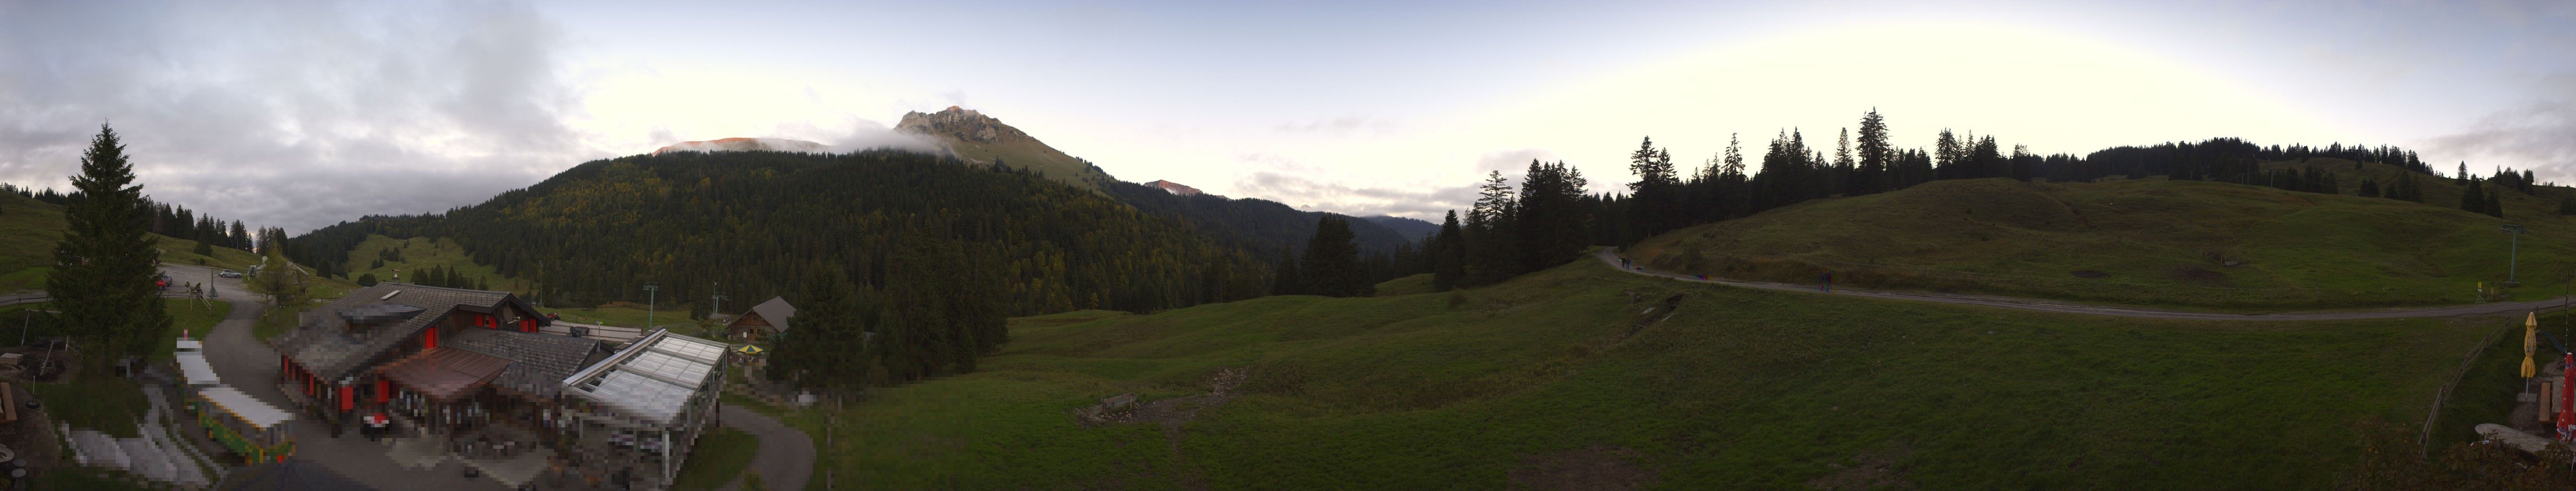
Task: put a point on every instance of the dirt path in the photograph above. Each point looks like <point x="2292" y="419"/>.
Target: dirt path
<point x="1611" y="257"/>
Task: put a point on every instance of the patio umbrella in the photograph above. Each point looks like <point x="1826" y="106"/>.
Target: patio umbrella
<point x="2530" y="341"/>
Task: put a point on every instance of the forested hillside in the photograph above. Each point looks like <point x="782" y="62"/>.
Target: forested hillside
<point x="1253" y="224"/>
<point x="758" y="223"/>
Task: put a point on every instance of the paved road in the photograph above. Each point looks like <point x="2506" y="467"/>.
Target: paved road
<point x="786" y="458"/>
<point x="1611" y="257"/>
<point x="250" y="365"/>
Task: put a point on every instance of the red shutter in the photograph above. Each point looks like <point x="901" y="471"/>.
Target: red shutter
<point x="348" y="399"/>
<point x="384" y="391"/>
<point x="429" y="339"/>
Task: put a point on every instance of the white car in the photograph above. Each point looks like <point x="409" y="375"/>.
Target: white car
<point x="228" y="274"/>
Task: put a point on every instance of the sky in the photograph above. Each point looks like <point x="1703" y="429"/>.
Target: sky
<point x="300" y="114"/>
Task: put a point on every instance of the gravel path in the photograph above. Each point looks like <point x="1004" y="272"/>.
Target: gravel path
<point x="786" y="458"/>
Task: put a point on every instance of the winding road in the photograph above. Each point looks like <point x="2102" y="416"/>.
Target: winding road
<point x="1611" y="257"/>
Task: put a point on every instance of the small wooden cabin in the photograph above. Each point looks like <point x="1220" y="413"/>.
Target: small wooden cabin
<point x="764" y="320"/>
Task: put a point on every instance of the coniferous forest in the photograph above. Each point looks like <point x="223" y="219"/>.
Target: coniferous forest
<point x="756" y="222"/>
<point x="1548" y="218"/>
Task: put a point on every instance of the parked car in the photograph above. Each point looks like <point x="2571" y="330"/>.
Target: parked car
<point x="228" y="274"/>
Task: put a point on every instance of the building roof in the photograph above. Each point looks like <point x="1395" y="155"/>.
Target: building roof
<point x="194" y="371"/>
<point x="775" y="311"/>
<point x="444" y="373"/>
<point x="324" y="345"/>
<point x="250" y="410"/>
<point x="653" y="379"/>
<point x="539" y="362"/>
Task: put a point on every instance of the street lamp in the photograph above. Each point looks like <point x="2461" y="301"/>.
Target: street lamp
<point x="2513" y="256"/>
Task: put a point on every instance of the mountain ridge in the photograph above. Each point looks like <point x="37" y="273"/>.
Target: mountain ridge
<point x="982" y="139"/>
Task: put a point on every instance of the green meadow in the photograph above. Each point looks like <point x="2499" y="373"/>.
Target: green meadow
<point x="1548" y="382"/>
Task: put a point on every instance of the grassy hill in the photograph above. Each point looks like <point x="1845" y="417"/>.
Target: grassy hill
<point x="422" y="253"/>
<point x="29" y="229"/>
<point x="2157" y="242"/>
<point x="1542" y="383"/>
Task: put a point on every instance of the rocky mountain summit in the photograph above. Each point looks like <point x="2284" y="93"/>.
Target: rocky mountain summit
<point x="961" y="124"/>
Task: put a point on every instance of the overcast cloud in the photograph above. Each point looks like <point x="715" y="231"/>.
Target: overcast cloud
<point x="294" y="114"/>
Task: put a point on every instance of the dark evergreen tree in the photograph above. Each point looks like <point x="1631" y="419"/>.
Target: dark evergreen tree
<point x="1655" y="197"/>
<point x="103" y="271"/>
<point x="2567" y="206"/>
<point x="1493" y="254"/>
<point x="2494" y="206"/>
<point x="820" y="351"/>
<point x="1331" y="266"/>
<point x="366" y="279"/>
<point x="1284" y="277"/>
<point x="2473" y="199"/>
<point x="1552" y="222"/>
<point x="1448" y="250"/>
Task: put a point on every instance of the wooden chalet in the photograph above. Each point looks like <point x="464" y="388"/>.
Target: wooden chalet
<point x="444" y="357"/>
<point x="762" y="321"/>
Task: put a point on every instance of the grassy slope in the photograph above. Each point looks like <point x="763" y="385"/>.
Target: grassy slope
<point x="29" y="229"/>
<point x="420" y="253"/>
<point x="1743" y="389"/>
<point x="423" y="252"/>
<point x="1409" y="285"/>
<point x="2161" y="242"/>
<point x="721" y="454"/>
<point x="1030" y="154"/>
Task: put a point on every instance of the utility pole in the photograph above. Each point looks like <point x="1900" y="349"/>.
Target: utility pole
<point x="719" y="300"/>
<point x="649" y="290"/>
<point x="2513" y="257"/>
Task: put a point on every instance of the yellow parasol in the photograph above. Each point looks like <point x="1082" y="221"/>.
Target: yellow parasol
<point x="2530" y="341"/>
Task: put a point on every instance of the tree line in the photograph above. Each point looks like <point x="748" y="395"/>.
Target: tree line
<point x="933" y="253"/>
<point x="1502" y="235"/>
<point x="169" y="220"/>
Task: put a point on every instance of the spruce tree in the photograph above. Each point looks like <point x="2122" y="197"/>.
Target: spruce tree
<point x="2494" y="205"/>
<point x="818" y="352"/>
<point x="1332" y="262"/>
<point x="2567" y="206"/>
<point x="1284" y="279"/>
<point x="1492" y="253"/>
<point x="105" y="264"/>
<point x="2473" y="199"/>
<point x="1877" y="159"/>
<point x="1449" y="254"/>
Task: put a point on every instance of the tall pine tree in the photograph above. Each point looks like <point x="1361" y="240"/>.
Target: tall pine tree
<point x="105" y="265"/>
<point x="1448" y="253"/>
<point x="1284" y="277"/>
<point x="1332" y="262"/>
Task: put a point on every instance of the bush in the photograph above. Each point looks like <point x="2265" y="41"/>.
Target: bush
<point x="367" y="279"/>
